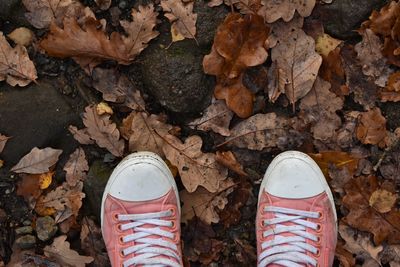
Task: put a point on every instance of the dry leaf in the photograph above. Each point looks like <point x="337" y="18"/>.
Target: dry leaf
<point x="326" y="44"/>
<point x="92" y="242"/>
<point x="204" y="204"/>
<point x="182" y="18"/>
<point x="228" y="159"/>
<point x="3" y="141"/>
<point x="31" y="185"/>
<point x="145" y="132"/>
<point x="298" y="64"/>
<point x="22" y="36"/>
<point x="382" y="200"/>
<point x="392" y="89"/>
<point x="372" y="128"/>
<point x="384" y="226"/>
<point x="82" y="136"/>
<point x="116" y="87"/>
<point x="15" y="66"/>
<point x="281" y="29"/>
<point x="103" y="131"/>
<point x="195" y="167"/>
<point x="37" y="161"/>
<point x="285" y="9"/>
<point x="216" y="117"/>
<point x="103" y="4"/>
<point x="244" y="6"/>
<point x="76" y="167"/>
<point x="337" y="158"/>
<point x="103" y="108"/>
<point x="61" y="252"/>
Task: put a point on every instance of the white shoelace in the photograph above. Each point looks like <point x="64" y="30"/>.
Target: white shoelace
<point x="289" y="250"/>
<point x="149" y="251"/>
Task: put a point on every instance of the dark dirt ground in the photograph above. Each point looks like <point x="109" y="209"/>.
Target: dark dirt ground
<point x="39" y="115"/>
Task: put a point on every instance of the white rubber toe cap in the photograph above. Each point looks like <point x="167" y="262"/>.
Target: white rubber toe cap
<point x="294" y="175"/>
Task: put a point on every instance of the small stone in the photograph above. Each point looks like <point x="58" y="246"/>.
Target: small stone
<point x="46" y="228"/>
<point x="24" y="230"/>
<point x="26" y="241"/>
<point x="122" y="5"/>
<point x="27" y="223"/>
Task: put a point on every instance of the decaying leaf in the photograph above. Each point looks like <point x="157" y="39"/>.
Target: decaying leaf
<point x="88" y="44"/>
<point x="22" y="36"/>
<point x="195" y="167"/>
<point x="82" y="135"/>
<point x="216" y="117"/>
<point x="76" y="167"/>
<point x="182" y="18"/>
<point x="15" y="66"/>
<point x="382" y="200"/>
<point x="285" y="9"/>
<point x="372" y="128"/>
<point x="37" y="161"/>
<point x="298" y="64"/>
<point x="3" y="141"/>
<point x="103" y="131"/>
<point x="32" y="185"/>
<point x="60" y="251"/>
<point x="228" y="159"/>
<point x="204" y="204"/>
<point x="384" y="226"/>
<point x="92" y="242"/>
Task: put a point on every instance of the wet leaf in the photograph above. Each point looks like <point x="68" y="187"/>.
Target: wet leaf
<point x="37" y="161"/>
<point x="76" y="167"/>
<point x="372" y="128"/>
<point x="285" y="9"/>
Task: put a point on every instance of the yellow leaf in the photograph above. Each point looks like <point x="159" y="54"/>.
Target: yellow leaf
<point x="325" y="44"/>
<point x="382" y="200"/>
<point x="103" y="108"/>
<point x="176" y="35"/>
<point x="22" y="36"/>
<point x="338" y="158"/>
<point x="45" y="179"/>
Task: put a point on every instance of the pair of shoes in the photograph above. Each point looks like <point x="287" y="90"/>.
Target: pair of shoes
<point x="295" y="224"/>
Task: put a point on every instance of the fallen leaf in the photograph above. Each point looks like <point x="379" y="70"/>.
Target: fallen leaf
<point x="32" y="185"/>
<point x="103" y="4"/>
<point x="285" y="9"/>
<point x="117" y="88"/>
<point x="228" y="159"/>
<point x="392" y="89"/>
<point x="339" y="159"/>
<point x="384" y="226"/>
<point x="182" y="18"/>
<point x="216" y="117"/>
<point x="281" y="29"/>
<point x="195" y="167"/>
<point x="298" y="64"/>
<point x="204" y="204"/>
<point x="92" y="242"/>
<point x="15" y="66"/>
<point x="382" y="200"/>
<point x="22" y="36"/>
<point x="76" y="167"/>
<point x="345" y="257"/>
<point x="37" y="161"/>
<point x="3" y="141"/>
<point x="246" y="253"/>
<point x="244" y="6"/>
<point x="103" y="108"/>
<point x="146" y="132"/>
<point x="82" y="135"/>
<point x="390" y="167"/>
<point x="372" y="128"/>
<point x="326" y="44"/>
<point x="103" y="131"/>
<point x="60" y="251"/>
<point x="382" y="22"/>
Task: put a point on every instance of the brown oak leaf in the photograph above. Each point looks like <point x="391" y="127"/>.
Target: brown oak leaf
<point x="60" y="251"/>
<point x="372" y="128"/>
<point x="195" y="167"/>
<point x="382" y="200"/>
<point x="15" y="66"/>
<point x="244" y="6"/>
<point x="384" y="226"/>
<point x="228" y="159"/>
<point x="76" y="167"/>
<point x="182" y="18"/>
<point x="3" y="141"/>
<point x="285" y="9"/>
<point x="37" y="161"/>
<point x="82" y="135"/>
<point x="103" y="131"/>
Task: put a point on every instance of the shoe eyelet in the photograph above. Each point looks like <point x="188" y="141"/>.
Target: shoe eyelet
<point x="319" y="228"/>
<point x="119" y="228"/>
<point x="318" y="253"/>
<point x="121" y="240"/>
<point x="115" y="216"/>
<point x="121" y="254"/>
<point x="172" y="210"/>
<point x="320" y="215"/>
<point x="318" y="240"/>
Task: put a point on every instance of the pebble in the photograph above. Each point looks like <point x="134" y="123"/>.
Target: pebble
<point x="46" y="228"/>
<point x="24" y="230"/>
<point x="122" y="4"/>
<point x="26" y="241"/>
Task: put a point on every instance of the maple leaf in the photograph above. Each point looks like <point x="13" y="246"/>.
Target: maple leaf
<point x="145" y="132"/>
<point x="37" y="161"/>
<point x="195" y="167"/>
<point x="228" y="159"/>
<point x="204" y="204"/>
<point x="116" y="87"/>
<point x="216" y="117"/>
<point x="15" y="66"/>
<point x="3" y="141"/>
<point x="88" y="44"/>
<point x="60" y="251"/>
<point x="103" y="131"/>
<point x="298" y="65"/>
<point x="384" y="226"/>
<point x="392" y="89"/>
<point x="76" y="167"/>
<point x="182" y="18"/>
<point x="285" y="9"/>
<point x="82" y="135"/>
<point x="372" y="128"/>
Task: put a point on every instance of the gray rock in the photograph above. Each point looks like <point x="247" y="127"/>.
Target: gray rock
<point x="26" y="241"/>
<point x="24" y="230"/>
<point x="46" y="228"/>
<point x="94" y="185"/>
<point x="342" y="17"/>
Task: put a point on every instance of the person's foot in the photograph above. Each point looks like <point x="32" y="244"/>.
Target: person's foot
<point x="296" y="215"/>
<point x="140" y="213"/>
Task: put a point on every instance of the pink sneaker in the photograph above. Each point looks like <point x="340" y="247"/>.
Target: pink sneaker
<point x="296" y="215"/>
<point x="140" y="213"/>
